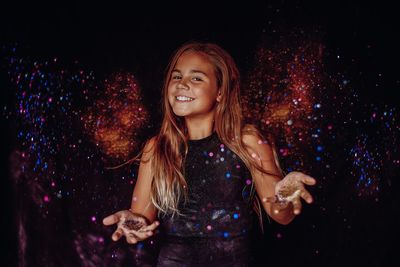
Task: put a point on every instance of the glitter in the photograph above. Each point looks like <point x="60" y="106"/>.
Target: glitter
<point x="46" y="198"/>
<point x="113" y="119"/>
<point x="317" y="105"/>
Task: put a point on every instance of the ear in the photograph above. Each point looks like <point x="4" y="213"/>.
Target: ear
<point x="219" y="97"/>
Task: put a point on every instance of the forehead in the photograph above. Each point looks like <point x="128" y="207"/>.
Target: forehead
<point x="194" y="60"/>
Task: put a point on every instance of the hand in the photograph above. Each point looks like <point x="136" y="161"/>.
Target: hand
<point x="290" y="190"/>
<point x="133" y="226"/>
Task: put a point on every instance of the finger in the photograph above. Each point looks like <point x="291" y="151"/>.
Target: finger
<point x="308" y="180"/>
<point x="151" y="227"/>
<point x="277" y="207"/>
<point x="138" y="235"/>
<point x="306" y="196"/>
<point x="296" y="206"/>
<point x="109" y="220"/>
<point x="131" y="239"/>
<point x="270" y="199"/>
<point x="117" y="234"/>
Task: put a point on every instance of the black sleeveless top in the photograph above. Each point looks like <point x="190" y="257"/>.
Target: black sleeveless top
<point x="219" y="184"/>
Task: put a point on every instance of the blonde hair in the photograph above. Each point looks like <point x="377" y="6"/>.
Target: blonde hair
<point x="171" y="147"/>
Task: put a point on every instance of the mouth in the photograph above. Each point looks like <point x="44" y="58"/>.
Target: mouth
<point x="183" y="99"/>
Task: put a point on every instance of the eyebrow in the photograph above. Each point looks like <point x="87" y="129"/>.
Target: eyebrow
<point x="192" y="71"/>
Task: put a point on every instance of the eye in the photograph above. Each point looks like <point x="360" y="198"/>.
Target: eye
<point x="197" y="79"/>
<point x="176" y="77"/>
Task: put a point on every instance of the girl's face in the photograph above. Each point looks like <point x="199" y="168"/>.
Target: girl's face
<point x="192" y="90"/>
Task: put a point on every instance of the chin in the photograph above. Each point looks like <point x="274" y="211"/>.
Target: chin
<point x="179" y="114"/>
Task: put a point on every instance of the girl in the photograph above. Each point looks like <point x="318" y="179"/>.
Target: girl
<point x="194" y="175"/>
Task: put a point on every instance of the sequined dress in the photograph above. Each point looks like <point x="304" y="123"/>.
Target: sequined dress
<point x="218" y="215"/>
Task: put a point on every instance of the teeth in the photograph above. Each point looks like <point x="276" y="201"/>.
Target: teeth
<point x="184" y="98"/>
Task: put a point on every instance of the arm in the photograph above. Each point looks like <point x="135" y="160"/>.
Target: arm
<point x="137" y="223"/>
<point x="267" y="186"/>
<point x="141" y="202"/>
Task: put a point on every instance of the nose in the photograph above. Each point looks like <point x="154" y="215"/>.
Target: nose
<point x="182" y="84"/>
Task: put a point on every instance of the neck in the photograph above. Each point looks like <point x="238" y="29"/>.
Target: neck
<point x="200" y="128"/>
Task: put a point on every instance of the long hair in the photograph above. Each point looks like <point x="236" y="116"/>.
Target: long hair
<point x="171" y="145"/>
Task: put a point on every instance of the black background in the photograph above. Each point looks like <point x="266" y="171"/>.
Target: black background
<point x="112" y="36"/>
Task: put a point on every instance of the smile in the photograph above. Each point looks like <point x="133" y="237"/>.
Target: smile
<point x="183" y="98"/>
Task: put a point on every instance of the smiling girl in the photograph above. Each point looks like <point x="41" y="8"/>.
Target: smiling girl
<point x="197" y="176"/>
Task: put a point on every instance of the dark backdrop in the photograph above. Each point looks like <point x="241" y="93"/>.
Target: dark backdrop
<point x="360" y="41"/>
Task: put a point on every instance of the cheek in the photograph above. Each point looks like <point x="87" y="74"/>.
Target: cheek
<point x="209" y="93"/>
<point x="169" y="91"/>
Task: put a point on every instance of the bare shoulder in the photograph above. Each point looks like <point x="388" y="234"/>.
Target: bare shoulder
<point x="150" y="142"/>
<point x="251" y="136"/>
<point x="256" y="143"/>
<point x="148" y="150"/>
<point x="260" y="149"/>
